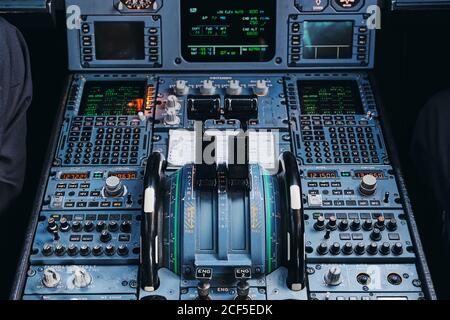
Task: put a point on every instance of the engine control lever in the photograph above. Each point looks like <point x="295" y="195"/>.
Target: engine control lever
<point x="294" y="221"/>
<point x="150" y="216"/>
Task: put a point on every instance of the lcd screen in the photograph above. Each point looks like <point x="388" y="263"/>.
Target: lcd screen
<point x="228" y="31"/>
<point x="330" y="97"/>
<point x="119" y="40"/>
<point x="115" y="98"/>
<point x="327" y="39"/>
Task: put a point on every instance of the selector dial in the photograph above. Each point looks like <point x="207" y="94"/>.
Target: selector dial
<point x="113" y="187"/>
<point x="333" y="276"/>
<point x="51" y="278"/>
<point x="81" y="278"/>
<point x="368" y="185"/>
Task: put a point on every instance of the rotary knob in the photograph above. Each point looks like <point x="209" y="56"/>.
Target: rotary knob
<point x="181" y="88"/>
<point x="376" y="234"/>
<point x="360" y="248"/>
<point x="125" y="226"/>
<point x="367" y="225"/>
<point x="343" y="225"/>
<point x="391" y="224"/>
<point x="207" y="87"/>
<point x="51" y="224"/>
<point x="105" y="236"/>
<point x="51" y="278"/>
<point x="380" y="223"/>
<point x="110" y="250"/>
<point x="234" y="88"/>
<point x="397" y="248"/>
<point x="372" y="249"/>
<point x="319" y="225"/>
<point x="47" y="250"/>
<point x="368" y="185"/>
<point x="101" y="225"/>
<point x="60" y="250"/>
<point x="113" y="187"/>
<point x="171" y="117"/>
<point x="113" y="226"/>
<point x="85" y="250"/>
<point x="322" y="248"/>
<point x="331" y="225"/>
<point x="335" y="248"/>
<point x="97" y="250"/>
<point x="72" y="250"/>
<point x="261" y="88"/>
<point x="77" y="226"/>
<point x="347" y="248"/>
<point x="122" y="250"/>
<point x="334" y="276"/>
<point x="64" y="225"/>
<point x="385" y="248"/>
<point x="81" y="278"/>
<point x="355" y="225"/>
<point x="89" y="226"/>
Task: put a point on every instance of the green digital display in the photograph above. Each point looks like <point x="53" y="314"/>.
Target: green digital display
<point x="112" y="98"/>
<point x="228" y="30"/>
<point x="330" y="97"/>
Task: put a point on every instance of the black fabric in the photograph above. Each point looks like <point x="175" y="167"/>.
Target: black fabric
<point x="430" y="150"/>
<point x="15" y="98"/>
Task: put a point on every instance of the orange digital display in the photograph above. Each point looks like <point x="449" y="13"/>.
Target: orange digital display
<point x="124" y="175"/>
<point x="74" y="176"/>
<point x="322" y="174"/>
<point x="376" y="173"/>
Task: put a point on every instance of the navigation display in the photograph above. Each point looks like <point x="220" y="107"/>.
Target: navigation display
<point x="119" y="40"/>
<point x="330" y="97"/>
<point x="112" y="98"/>
<point x="228" y="30"/>
<point x="327" y="39"/>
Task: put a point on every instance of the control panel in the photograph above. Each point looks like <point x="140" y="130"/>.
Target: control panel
<point x="232" y="175"/>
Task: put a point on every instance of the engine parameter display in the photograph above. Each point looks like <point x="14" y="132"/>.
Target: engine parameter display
<point x="327" y="39"/>
<point x="322" y="174"/>
<point x="112" y="98"/>
<point x="74" y="176"/>
<point x="124" y="175"/>
<point x="330" y="97"/>
<point x="228" y="30"/>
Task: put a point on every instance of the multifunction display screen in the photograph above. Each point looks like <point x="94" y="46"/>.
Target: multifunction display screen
<point x="228" y="30"/>
<point x="112" y="98"/>
<point x="327" y="39"/>
<point x="119" y="40"/>
<point x="330" y="97"/>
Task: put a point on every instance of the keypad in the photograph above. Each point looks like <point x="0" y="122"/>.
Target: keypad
<point x="103" y="141"/>
<point x="339" y="140"/>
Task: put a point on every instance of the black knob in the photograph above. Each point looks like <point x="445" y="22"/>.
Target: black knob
<point x="343" y="225"/>
<point x="322" y="248"/>
<point x="113" y="226"/>
<point x="64" y="225"/>
<point x="376" y="234"/>
<point x="77" y="226"/>
<point x="355" y="225"/>
<point x="125" y="226"/>
<point x="60" y="250"/>
<point x="89" y="226"/>
<point x="122" y="250"/>
<point x="385" y="248"/>
<point x="367" y="225"/>
<point x="97" y="250"/>
<point x="72" y="250"/>
<point x="331" y="225"/>
<point x="397" y="248"/>
<point x="372" y="248"/>
<point x="243" y="289"/>
<point x="335" y="248"/>
<point x="85" y="250"/>
<point x="101" y="225"/>
<point x="392" y="225"/>
<point x="347" y="248"/>
<point x="386" y="197"/>
<point x="360" y="248"/>
<point x="51" y="224"/>
<point x="47" y="250"/>
<point x="380" y="223"/>
<point x="105" y="236"/>
<point x="320" y="223"/>
<point x="203" y="290"/>
<point x="110" y="250"/>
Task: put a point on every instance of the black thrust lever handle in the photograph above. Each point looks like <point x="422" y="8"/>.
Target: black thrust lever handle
<point x="294" y="222"/>
<point x="150" y="216"/>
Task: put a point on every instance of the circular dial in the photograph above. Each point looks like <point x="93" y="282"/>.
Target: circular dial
<point x="138" y="4"/>
<point x="347" y="4"/>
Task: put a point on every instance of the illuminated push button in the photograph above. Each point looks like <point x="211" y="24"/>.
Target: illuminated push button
<point x="113" y="187"/>
<point x="234" y="88"/>
<point x="51" y="278"/>
<point x="181" y="88"/>
<point x="368" y="185"/>
<point x="261" y="88"/>
<point x="207" y="87"/>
